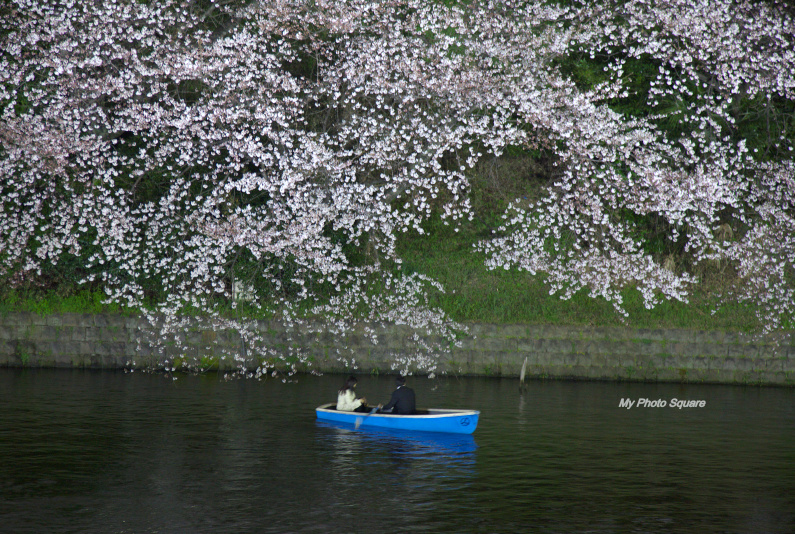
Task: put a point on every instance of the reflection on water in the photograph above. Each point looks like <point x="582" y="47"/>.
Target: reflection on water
<point x="103" y="452"/>
<point x="412" y="443"/>
<point x="431" y="456"/>
<point x="396" y="472"/>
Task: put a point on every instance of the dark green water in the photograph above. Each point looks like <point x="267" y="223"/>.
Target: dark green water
<point x="105" y="452"/>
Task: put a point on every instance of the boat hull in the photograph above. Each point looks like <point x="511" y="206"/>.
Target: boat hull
<point x="436" y="420"/>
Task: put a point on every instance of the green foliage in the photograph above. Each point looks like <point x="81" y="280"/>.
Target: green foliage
<point x="653" y="232"/>
<point x="763" y="123"/>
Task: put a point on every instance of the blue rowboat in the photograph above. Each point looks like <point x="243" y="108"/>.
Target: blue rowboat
<point x="433" y="420"/>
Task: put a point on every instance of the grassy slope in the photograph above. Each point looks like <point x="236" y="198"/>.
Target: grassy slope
<point x="52" y="302"/>
<point x="473" y="293"/>
<point x="476" y="294"/>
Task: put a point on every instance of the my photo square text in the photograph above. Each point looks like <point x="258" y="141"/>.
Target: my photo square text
<point x="661" y="403"/>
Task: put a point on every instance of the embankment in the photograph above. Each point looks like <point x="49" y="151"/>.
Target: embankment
<point x="112" y="342"/>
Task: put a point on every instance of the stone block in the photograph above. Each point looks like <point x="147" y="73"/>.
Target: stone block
<point x="466" y="343"/>
<point x="598" y="360"/>
<point x="648" y="348"/>
<point x="86" y="319"/>
<point x="8" y="346"/>
<point x="556" y="345"/>
<point x="649" y="374"/>
<point x="117" y="321"/>
<point x="53" y="320"/>
<point x="623" y="347"/>
<point x="557" y="371"/>
<point x="528" y="346"/>
<point x="17" y="319"/>
<point x="194" y="338"/>
<point x="580" y="346"/>
<point x="735" y="338"/>
<point x="111" y="362"/>
<point x="672" y="348"/>
<point x="702" y="362"/>
<point x="52" y="333"/>
<point x="42" y="361"/>
<point x="7" y="357"/>
<point x="70" y="319"/>
<point x="548" y="332"/>
<point x="547" y="358"/>
<point x="616" y="361"/>
<point x="597" y="373"/>
<point x="646" y="334"/>
<point x="491" y="344"/>
<point x="377" y="356"/>
<point x="514" y="358"/>
<point x="513" y="330"/>
<point x="765" y="364"/>
<point x="708" y="375"/>
<point x="533" y="331"/>
<point x="325" y="338"/>
<point x="661" y="359"/>
<point x="668" y="375"/>
<point x="579" y="359"/>
<point x="109" y="334"/>
<point x="741" y="364"/>
<point x="578" y="371"/>
<point x="679" y="362"/>
<point x="110" y="348"/>
<point x="644" y="361"/>
<point x="748" y="377"/>
<point x="722" y="375"/>
<point x="600" y="333"/>
<point x="481" y="330"/>
<point x="38" y="320"/>
<point x="72" y="333"/>
<point x="742" y="351"/>
<point x="65" y="359"/>
<point x="569" y="360"/>
<point x="712" y="349"/>
<point x="785" y="378"/>
<point x="83" y="347"/>
<point x="709" y="336"/>
<point x="64" y="347"/>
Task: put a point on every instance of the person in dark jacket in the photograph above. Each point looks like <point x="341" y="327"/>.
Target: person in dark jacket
<point x="402" y="401"/>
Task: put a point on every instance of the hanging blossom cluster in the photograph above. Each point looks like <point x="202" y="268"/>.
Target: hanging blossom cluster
<point x="272" y="152"/>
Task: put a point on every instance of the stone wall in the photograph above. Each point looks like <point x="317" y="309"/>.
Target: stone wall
<point x="111" y="341"/>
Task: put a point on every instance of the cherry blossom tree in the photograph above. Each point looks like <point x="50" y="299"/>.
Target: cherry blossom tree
<point x="190" y="154"/>
<point x="684" y="162"/>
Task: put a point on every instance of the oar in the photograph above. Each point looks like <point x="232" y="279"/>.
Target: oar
<point x="359" y="420"/>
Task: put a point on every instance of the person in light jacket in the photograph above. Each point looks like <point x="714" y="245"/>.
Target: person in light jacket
<point x="346" y="397"/>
